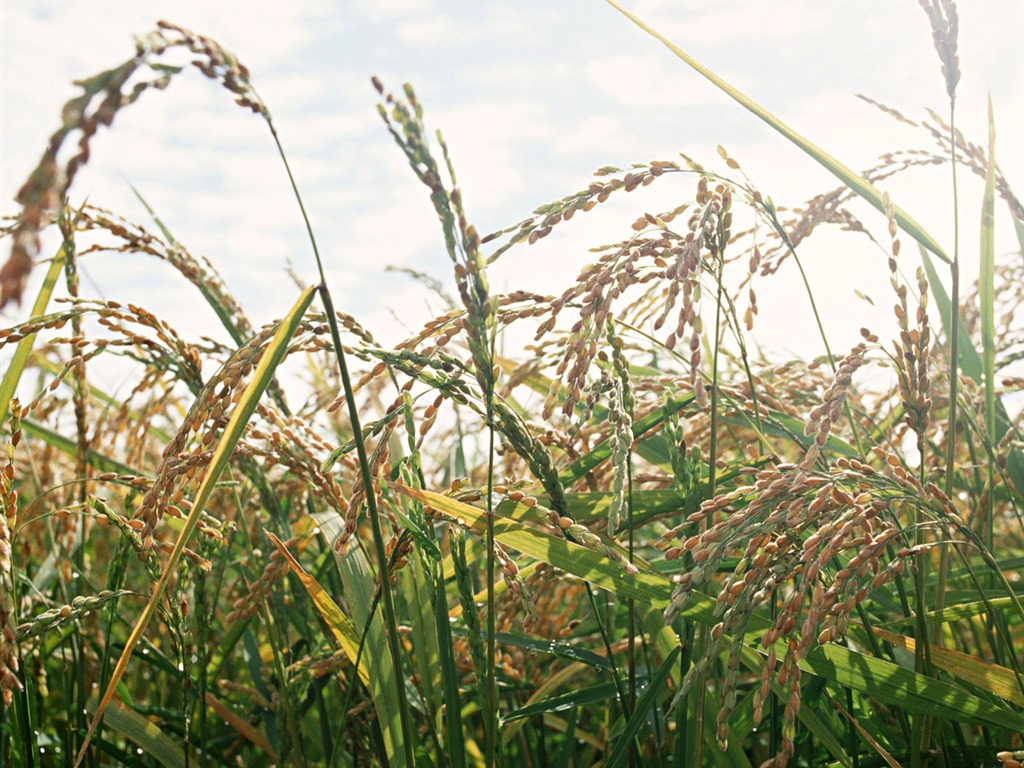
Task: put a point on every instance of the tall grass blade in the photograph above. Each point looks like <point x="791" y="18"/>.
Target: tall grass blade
<point x="986" y="282"/>
<point x="598" y="569"/>
<point x="905" y="689"/>
<point x="455" y="742"/>
<point x="66" y="445"/>
<point x="159" y="746"/>
<point x="994" y="678"/>
<point x="242" y="726"/>
<point x="546" y="692"/>
<point x="361" y="597"/>
<point x="643" y="708"/>
<point x="341" y="626"/>
<point x="261" y="379"/>
<point x="876" y="677"/>
<point x="16" y="364"/>
<point x="970" y="359"/>
<point x="564" y="702"/>
<point x="986" y="297"/>
<point x="853" y="180"/>
<point x="971" y="363"/>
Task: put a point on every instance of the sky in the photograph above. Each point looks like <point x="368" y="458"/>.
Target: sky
<point x="531" y="97"/>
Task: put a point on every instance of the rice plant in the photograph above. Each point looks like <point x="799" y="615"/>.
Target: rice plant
<point x="634" y="541"/>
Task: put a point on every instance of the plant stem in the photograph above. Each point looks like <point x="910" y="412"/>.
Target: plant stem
<point x="491" y="697"/>
<point x="630" y="604"/>
<point x="372" y="513"/>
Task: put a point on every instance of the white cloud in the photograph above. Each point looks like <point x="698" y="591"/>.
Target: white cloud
<point x="432" y="30"/>
<point x="531" y="99"/>
<point x="649" y="80"/>
<point x="390" y="10"/>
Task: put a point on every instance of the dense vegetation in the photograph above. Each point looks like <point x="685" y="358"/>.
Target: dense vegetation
<point x="615" y="545"/>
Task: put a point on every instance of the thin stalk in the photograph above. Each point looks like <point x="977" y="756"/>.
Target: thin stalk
<point x="491" y="697"/>
<point x="621" y="696"/>
<point x="713" y="438"/>
<point x="454" y="741"/>
<point x="354" y="683"/>
<point x="923" y="724"/>
<point x="204" y="611"/>
<point x="22" y="726"/>
<point x="774" y="732"/>
<point x="954" y="346"/>
<point x="491" y="740"/>
<point x="658" y="720"/>
<point x="80" y="396"/>
<point x="986" y="301"/>
<point x="703" y="635"/>
<point x="372" y="513"/>
<point x="291" y="726"/>
<point x="861" y="448"/>
<point x="781" y="231"/>
<point x="851" y="731"/>
<point x="922" y="655"/>
<point x="680" y="754"/>
<point x="630" y="605"/>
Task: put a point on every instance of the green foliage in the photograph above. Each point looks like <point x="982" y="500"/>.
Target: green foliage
<point x="614" y="546"/>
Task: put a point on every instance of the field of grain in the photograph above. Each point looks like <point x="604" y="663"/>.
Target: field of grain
<point x="632" y="539"/>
